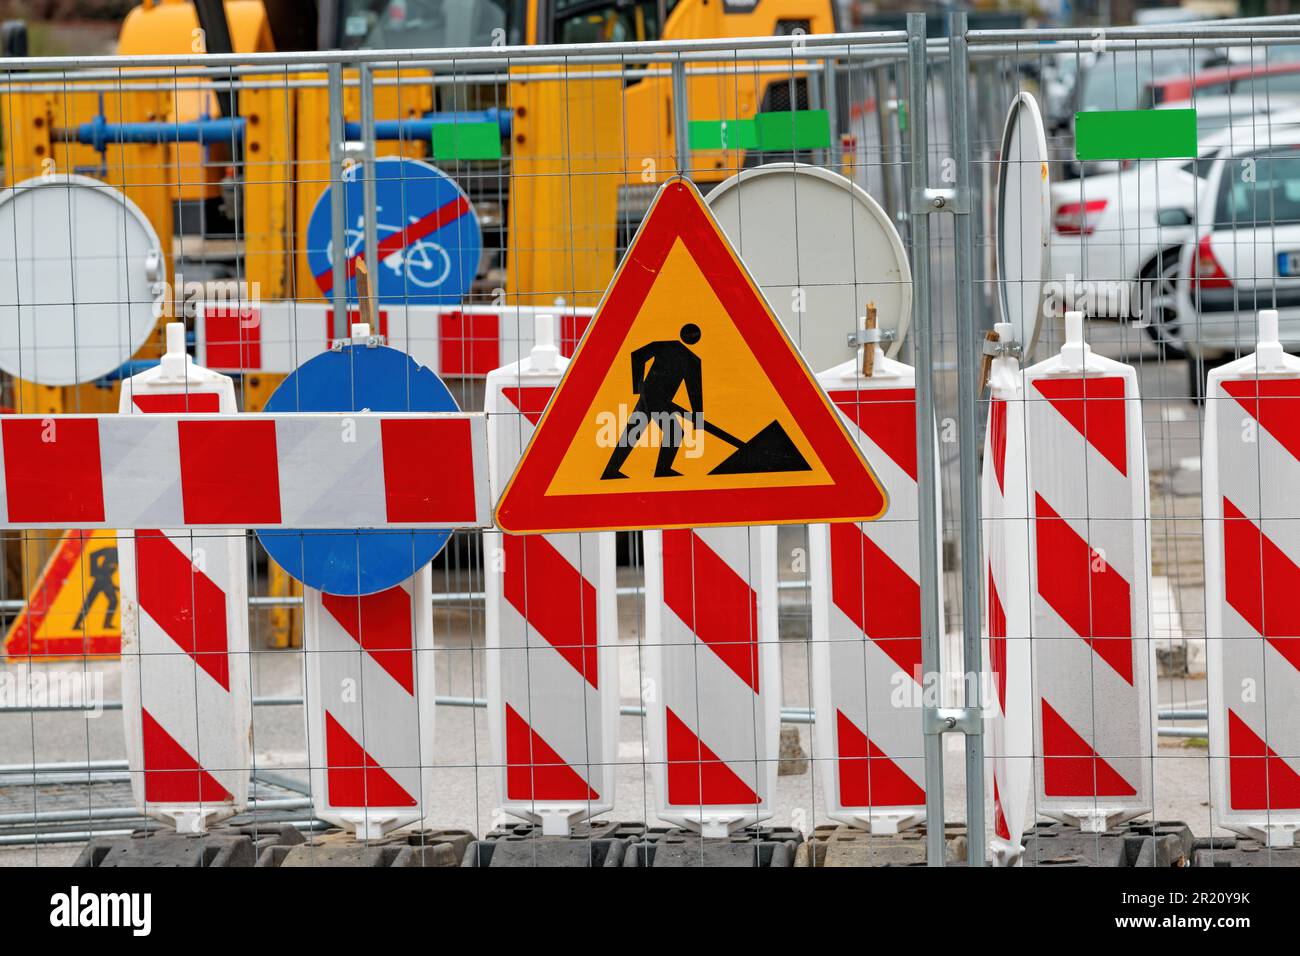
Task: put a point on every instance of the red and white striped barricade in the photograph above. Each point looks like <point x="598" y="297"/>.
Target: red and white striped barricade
<point x="244" y="471"/>
<point x="185" y="684"/>
<point x="1089" y="566"/>
<point x="370" y="705"/>
<point x="463" y="342"/>
<point x="1251" y="483"/>
<point x="866" y="615"/>
<point x="552" y="630"/>
<point x="713" y="692"/>
<point x="1007" y="602"/>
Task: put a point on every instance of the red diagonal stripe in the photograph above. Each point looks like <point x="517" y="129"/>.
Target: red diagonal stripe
<point x="1274" y="403"/>
<point x="534" y="771"/>
<point x="998" y="641"/>
<point x="1261" y="583"/>
<point x="555" y="599"/>
<point x="381" y="623"/>
<point x="862" y="572"/>
<point x="171" y="774"/>
<point x="183" y="601"/>
<point x="696" y="775"/>
<point x="531" y="401"/>
<point x="713" y="601"/>
<point x="1260" y="779"/>
<point x="354" y="778"/>
<point x="1096" y="409"/>
<point x="1071" y="768"/>
<point x="888" y="417"/>
<point x="998" y="440"/>
<point x="404" y="237"/>
<point x="868" y="776"/>
<point x="1082" y="587"/>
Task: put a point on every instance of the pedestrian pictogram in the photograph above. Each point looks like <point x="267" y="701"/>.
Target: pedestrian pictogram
<point x="686" y="405"/>
<point x="73" y="607"/>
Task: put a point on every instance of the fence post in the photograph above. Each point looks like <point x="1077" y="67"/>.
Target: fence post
<point x="972" y="560"/>
<point x="925" y="441"/>
<point x="338" y="212"/>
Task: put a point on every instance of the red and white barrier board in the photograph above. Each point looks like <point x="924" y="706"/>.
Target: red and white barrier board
<point x="1251" y="488"/>
<point x="370" y="705"/>
<point x="1007" y="606"/>
<point x="1089" y="567"/>
<point x="552" y="631"/>
<point x="464" y="342"/>
<point x="245" y="471"/>
<point x="866" y="615"/>
<point x="185" y="674"/>
<point x="713" y="696"/>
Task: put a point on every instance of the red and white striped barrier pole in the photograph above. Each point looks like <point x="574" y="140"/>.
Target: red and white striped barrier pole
<point x="1251" y="486"/>
<point x="1089" y="566"/>
<point x="185" y="683"/>
<point x="1007" y="603"/>
<point x="866" y="614"/>
<point x="370" y="705"/>
<point x="713" y="696"/>
<point x="197" y="470"/>
<point x="552" y="630"/>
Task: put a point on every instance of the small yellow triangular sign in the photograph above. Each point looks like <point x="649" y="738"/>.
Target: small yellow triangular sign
<point x="686" y="405"/>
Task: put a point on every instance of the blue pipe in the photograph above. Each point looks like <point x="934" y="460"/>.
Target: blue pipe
<point x="209" y="130"/>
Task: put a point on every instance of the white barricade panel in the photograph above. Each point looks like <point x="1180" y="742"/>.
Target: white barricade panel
<point x="1252" y="574"/>
<point x="552" y="634"/>
<point x="1090" y="568"/>
<point x="866" y="615"/>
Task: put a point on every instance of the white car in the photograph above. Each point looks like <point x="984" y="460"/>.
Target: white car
<point x="1117" y="237"/>
<point x="1245" y="253"/>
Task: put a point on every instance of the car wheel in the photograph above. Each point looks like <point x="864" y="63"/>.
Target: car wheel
<point x="1158" y="285"/>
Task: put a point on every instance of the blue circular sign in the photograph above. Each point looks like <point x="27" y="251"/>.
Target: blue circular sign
<point x="430" y="242"/>
<point x="356" y="378"/>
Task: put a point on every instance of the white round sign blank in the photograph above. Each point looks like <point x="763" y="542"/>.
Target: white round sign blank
<point x="821" y="249"/>
<point x="78" y="267"/>
<point x="1023" y="219"/>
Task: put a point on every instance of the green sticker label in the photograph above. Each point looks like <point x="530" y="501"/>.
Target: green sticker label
<point x="1135" y="134"/>
<point x="770" y="132"/>
<point x="466" y="141"/>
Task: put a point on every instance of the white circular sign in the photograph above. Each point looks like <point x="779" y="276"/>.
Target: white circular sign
<point x="821" y="249"/>
<point x="79" y="267"/>
<point x="1024" y="205"/>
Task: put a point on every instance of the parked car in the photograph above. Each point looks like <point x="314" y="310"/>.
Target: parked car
<point x="1244" y="254"/>
<point x="1118" y="237"/>
<point x="1259" y="81"/>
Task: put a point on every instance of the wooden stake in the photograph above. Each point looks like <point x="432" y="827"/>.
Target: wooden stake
<point x="986" y="363"/>
<point x="365" y="302"/>
<point x="869" y="349"/>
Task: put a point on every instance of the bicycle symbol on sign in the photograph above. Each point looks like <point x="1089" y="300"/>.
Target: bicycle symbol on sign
<point x="423" y="263"/>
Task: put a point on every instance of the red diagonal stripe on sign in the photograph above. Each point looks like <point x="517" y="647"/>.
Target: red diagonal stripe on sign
<point x="862" y="572"/>
<point x="402" y="238"/>
<point x="1261" y="583"/>
<point x="1082" y="587"/>
<point x="555" y="599"/>
<point x="715" y="602"/>
<point x="888" y="417"/>
<point x="999" y="818"/>
<point x="171" y="773"/>
<point x="1260" y="779"/>
<point x="1274" y="403"/>
<point x="354" y="778"/>
<point x="998" y="439"/>
<point x="1096" y="409"/>
<point x="381" y="623"/>
<point x="183" y="601"/>
<point x="868" y="776"/>
<point x="696" y="775"/>
<point x="998" y="641"/>
<point x="530" y="401"/>
<point x="534" y="770"/>
<point x="1071" y="768"/>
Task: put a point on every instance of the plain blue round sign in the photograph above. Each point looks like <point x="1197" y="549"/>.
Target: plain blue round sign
<point x="353" y="379"/>
<point x="430" y="242"/>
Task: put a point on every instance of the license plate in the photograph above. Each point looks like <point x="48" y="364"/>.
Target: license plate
<point x="1288" y="264"/>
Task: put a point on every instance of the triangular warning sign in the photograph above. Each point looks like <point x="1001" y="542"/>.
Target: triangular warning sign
<point x="686" y="405"/>
<point x="72" y="610"/>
